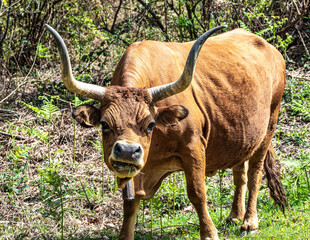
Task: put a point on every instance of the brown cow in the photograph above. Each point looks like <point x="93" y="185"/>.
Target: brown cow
<point x="223" y="117"/>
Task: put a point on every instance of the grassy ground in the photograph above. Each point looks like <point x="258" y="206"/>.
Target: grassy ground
<point x="51" y="179"/>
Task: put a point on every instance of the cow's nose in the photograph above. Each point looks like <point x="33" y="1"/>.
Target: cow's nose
<point x="127" y="151"/>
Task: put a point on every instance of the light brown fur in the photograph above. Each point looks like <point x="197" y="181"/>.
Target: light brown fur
<point x="233" y="104"/>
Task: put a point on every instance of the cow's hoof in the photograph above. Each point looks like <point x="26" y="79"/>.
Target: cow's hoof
<point x="235" y="217"/>
<point x="249" y="224"/>
<point x="210" y="236"/>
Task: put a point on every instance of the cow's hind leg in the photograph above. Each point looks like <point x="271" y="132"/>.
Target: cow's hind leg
<point x="255" y="171"/>
<point x="240" y="179"/>
<point x="131" y="208"/>
<point x="195" y="179"/>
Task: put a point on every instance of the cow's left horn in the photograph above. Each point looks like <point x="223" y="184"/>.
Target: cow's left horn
<point x="167" y="90"/>
<point x="84" y="89"/>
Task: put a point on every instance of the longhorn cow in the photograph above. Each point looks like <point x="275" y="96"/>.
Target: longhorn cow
<point x="223" y="116"/>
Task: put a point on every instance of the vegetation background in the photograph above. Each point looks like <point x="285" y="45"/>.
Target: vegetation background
<point x="53" y="184"/>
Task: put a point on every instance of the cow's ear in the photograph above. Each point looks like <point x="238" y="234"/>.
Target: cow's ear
<point x="171" y="115"/>
<point x="87" y="115"/>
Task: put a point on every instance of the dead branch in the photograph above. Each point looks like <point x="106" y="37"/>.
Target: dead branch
<point x="302" y="41"/>
<point x="116" y="14"/>
<point x="156" y="19"/>
<point x="300" y="14"/>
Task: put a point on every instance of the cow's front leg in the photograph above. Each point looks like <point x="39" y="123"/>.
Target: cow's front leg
<point x="131" y="208"/>
<point x="195" y="176"/>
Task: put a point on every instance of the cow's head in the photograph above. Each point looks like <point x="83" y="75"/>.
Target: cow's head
<point x="127" y="115"/>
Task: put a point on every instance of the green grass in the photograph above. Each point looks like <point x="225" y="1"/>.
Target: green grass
<point x="183" y="224"/>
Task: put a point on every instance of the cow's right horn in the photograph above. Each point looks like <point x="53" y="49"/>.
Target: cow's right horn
<point x="84" y="89"/>
<point x="167" y="90"/>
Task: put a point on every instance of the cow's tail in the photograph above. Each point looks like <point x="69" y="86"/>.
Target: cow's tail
<point x="273" y="175"/>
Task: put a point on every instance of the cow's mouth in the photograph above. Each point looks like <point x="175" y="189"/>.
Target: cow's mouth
<point x="126" y="159"/>
<point x="125" y="167"/>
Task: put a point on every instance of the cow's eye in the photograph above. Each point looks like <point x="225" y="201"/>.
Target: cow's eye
<point x="105" y="126"/>
<point x="150" y="126"/>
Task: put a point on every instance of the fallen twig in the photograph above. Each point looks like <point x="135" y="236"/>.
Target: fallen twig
<point x="17" y="137"/>
<point x="13" y="91"/>
<point x="8" y="114"/>
<point x="297" y="76"/>
<point x="8" y="111"/>
<point x="84" y="191"/>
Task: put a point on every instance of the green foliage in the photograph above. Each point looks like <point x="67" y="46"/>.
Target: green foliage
<point x="297" y="185"/>
<point x="297" y="137"/>
<point x="15" y="178"/>
<point x="272" y="25"/>
<point x="306" y="61"/>
<point x="171" y="196"/>
<point x="77" y="102"/>
<point x="97" y="144"/>
<point x="39" y="133"/>
<point x="293" y="90"/>
<point x="302" y="108"/>
<point x="297" y="96"/>
<point x="48" y="111"/>
<point x="22" y="20"/>
<point x="53" y="197"/>
<point x="223" y="192"/>
<point x="43" y="52"/>
<point x="98" y="34"/>
<point x="50" y="177"/>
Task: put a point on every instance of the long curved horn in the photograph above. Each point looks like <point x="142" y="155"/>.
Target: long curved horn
<point x="167" y="90"/>
<point x="84" y="89"/>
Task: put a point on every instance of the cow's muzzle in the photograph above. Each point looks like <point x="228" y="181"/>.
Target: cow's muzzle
<point x="126" y="158"/>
